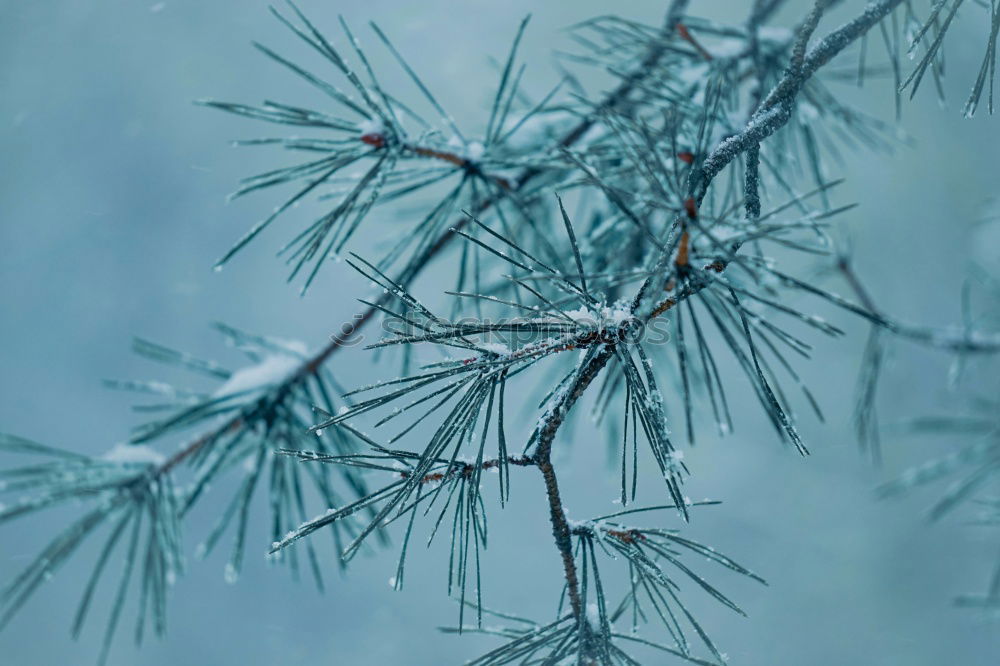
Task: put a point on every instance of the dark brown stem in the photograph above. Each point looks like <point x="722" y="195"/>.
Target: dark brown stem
<point x="543" y="459"/>
<point x="561" y="534"/>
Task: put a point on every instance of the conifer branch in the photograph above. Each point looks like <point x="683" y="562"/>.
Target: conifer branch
<point x="613" y="100"/>
<point x="677" y="169"/>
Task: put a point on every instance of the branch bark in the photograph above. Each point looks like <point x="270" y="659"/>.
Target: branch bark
<point x="543" y="460"/>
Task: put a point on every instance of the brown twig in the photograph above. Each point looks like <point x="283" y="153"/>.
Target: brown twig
<point x="543" y="459"/>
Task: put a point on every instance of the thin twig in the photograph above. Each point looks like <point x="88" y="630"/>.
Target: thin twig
<point x="543" y="459"/>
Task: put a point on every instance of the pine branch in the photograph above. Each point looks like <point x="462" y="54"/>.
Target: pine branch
<point x="666" y="227"/>
<point x="617" y="97"/>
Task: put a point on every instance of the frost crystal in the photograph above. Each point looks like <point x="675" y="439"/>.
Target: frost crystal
<point x="133" y="454"/>
<point x="593" y="615"/>
<point x="475" y="151"/>
<point x="272" y="370"/>
<point x="372" y="126"/>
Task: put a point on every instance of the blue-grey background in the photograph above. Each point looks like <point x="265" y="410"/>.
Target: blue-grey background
<point x="112" y="211"/>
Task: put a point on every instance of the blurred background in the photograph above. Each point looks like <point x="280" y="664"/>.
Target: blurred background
<point x="112" y="212"/>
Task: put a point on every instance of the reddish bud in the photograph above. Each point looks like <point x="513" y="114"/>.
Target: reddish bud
<point x="691" y="208"/>
<point x="686" y="157"/>
<point x="373" y="139"/>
